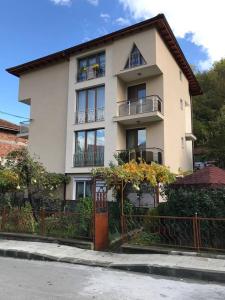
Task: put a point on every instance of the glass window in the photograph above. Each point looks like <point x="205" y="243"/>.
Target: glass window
<point x="93" y="109"/>
<point x="81" y="101"/>
<point x="89" y="149"/>
<point x="135" y="58"/>
<point x="83" y="189"/>
<point x="80" y="141"/>
<point x="142" y="138"/>
<point x="85" y="70"/>
<point x="80" y="190"/>
<point x="100" y="97"/>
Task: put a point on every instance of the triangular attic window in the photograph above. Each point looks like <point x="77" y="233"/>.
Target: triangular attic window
<point x="135" y="58"/>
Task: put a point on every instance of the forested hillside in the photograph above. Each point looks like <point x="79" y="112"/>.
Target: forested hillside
<point x="209" y="112"/>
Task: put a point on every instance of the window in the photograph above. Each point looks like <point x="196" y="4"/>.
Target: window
<point x="90" y="105"/>
<point x="89" y="148"/>
<point x="136" y="138"/>
<point x="83" y="188"/>
<point x="91" y="67"/>
<point x="135" y="58"/>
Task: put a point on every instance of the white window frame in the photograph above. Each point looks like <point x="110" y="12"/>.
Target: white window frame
<point x="80" y="179"/>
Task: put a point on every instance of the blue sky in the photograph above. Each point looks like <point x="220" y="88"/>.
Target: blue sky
<point x="32" y="28"/>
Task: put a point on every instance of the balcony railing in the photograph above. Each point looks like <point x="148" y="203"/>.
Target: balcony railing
<point x="24" y="127"/>
<point x="90" y="72"/>
<point x="147" y="104"/>
<point x="93" y="115"/>
<point x="89" y="158"/>
<point x="148" y="155"/>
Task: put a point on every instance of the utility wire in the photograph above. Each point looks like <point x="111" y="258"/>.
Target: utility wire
<point x="5" y="113"/>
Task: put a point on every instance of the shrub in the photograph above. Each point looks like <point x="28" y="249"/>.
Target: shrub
<point x="20" y="220"/>
<point x="206" y="202"/>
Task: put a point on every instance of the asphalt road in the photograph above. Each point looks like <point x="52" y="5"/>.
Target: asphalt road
<point x="31" y="280"/>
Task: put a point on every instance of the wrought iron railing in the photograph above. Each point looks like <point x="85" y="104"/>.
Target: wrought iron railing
<point x="151" y="103"/>
<point x="92" y="115"/>
<point x="90" y="73"/>
<point x="141" y="154"/>
<point x="187" y="232"/>
<point x="89" y="158"/>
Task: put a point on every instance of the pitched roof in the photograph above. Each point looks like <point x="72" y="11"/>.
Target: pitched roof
<point x="159" y="22"/>
<point x="8" y="125"/>
<point x="208" y="176"/>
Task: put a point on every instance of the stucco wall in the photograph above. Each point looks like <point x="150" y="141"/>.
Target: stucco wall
<point x="174" y="89"/>
<point x="48" y="90"/>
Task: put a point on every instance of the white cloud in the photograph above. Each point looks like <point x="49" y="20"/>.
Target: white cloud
<point x="62" y="2"/>
<point x="105" y="17"/>
<point x="122" y="21"/>
<point x="205" y="19"/>
<point x="93" y="2"/>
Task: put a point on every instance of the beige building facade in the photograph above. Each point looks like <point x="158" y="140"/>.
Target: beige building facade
<point x="127" y="93"/>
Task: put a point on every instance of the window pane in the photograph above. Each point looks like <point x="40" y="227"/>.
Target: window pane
<point x="142" y="138"/>
<point x="82" y="63"/>
<point x="141" y="93"/>
<point x="92" y="60"/>
<point x="100" y="97"/>
<point x="79" y="190"/>
<point x="100" y="137"/>
<point x="131" y="139"/>
<point x="81" y="101"/>
<point x="90" y="141"/>
<point x="91" y="106"/>
<point x="88" y="189"/>
<point x="80" y="141"/>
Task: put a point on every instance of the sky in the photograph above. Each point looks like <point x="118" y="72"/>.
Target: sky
<point x="33" y="28"/>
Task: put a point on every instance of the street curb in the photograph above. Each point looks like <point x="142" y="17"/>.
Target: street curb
<point x="167" y="271"/>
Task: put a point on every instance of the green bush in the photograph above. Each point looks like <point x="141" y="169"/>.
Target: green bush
<point x="20" y="220"/>
<point x="206" y="202"/>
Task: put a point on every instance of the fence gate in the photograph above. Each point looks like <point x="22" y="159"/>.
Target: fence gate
<point x="101" y="219"/>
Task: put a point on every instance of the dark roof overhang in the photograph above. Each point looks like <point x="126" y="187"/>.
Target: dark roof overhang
<point x="159" y="22"/>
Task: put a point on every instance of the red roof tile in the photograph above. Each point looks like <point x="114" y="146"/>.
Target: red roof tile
<point x="8" y="125"/>
<point x="208" y="176"/>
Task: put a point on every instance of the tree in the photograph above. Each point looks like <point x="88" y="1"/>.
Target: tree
<point x="9" y="181"/>
<point x="34" y="180"/>
<point x="216" y="141"/>
<point x="206" y="107"/>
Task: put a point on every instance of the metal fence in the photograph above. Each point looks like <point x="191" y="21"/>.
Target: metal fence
<point x="61" y="224"/>
<point x="183" y="232"/>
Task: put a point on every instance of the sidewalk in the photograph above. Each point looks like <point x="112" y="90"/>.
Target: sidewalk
<point x="160" y="264"/>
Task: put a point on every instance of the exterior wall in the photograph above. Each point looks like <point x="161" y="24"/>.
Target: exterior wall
<point x="176" y="156"/>
<point x="52" y="93"/>
<point x="47" y="90"/>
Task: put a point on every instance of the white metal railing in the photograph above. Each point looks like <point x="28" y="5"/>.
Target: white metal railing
<point x="151" y="103"/>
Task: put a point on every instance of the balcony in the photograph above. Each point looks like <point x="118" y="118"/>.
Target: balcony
<point x="142" y="110"/>
<point x="148" y="155"/>
<point x="89" y="158"/>
<point x="24" y="129"/>
<point x="91" y="72"/>
<point x="95" y="115"/>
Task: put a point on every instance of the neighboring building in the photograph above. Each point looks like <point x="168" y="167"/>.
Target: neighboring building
<point x="128" y="92"/>
<point x="9" y="139"/>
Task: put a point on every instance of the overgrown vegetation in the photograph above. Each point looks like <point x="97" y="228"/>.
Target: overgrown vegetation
<point x="209" y="113"/>
<point x="206" y="202"/>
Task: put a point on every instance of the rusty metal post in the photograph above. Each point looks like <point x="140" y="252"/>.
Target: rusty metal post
<point x="196" y="232"/>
